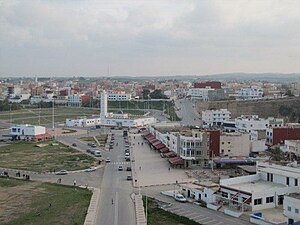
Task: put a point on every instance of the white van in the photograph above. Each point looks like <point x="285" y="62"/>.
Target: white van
<point x="98" y="154"/>
<point x="127" y="154"/>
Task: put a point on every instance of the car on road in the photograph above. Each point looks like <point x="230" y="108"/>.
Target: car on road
<point x="129" y="177"/>
<point x="62" y="172"/>
<point x="88" y="150"/>
<point x="128" y="168"/>
<point x="74" y="145"/>
<point x="127" y="154"/>
<point x="92" y="151"/>
<point x="107" y="160"/>
<point x="91" y="169"/>
<point x="180" y="198"/>
<point x="127" y="158"/>
<point x="93" y="145"/>
<point x="120" y="168"/>
<point x="97" y="153"/>
<point x="127" y="150"/>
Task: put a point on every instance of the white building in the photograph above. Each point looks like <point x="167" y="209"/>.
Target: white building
<point x="265" y="189"/>
<point x="251" y="122"/>
<point x="74" y="100"/>
<point x="203" y="191"/>
<point x="234" y="144"/>
<point x="292" y="146"/>
<point x="110" y="119"/>
<point x="291" y="208"/>
<point x="215" y="117"/>
<point x="122" y="96"/>
<point x="28" y="132"/>
<point x="250" y="93"/>
<point x="19" y="98"/>
<point x="199" y="93"/>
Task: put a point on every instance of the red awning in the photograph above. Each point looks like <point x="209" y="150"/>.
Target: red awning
<point x="152" y="141"/>
<point x="150" y="137"/>
<point x="160" y="146"/>
<point x="164" y="150"/>
<point x="176" y="161"/>
<point x="145" y="133"/>
<point x="157" y="143"/>
<point x="170" y="154"/>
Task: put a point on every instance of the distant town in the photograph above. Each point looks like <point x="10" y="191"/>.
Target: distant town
<point x="214" y="151"/>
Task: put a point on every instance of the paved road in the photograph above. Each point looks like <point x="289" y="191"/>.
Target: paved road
<point x="202" y="215"/>
<point x="188" y="113"/>
<point x="115" y="187"/>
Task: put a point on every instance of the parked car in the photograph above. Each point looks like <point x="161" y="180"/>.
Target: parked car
<point x="128" y="168"/>
<point x="129" y="177"/>
<point x="88" y="150"/>
<point x="127" y="150"/>
<point x="91" y="169"/>
<point x="127" y="154"/>
<point x="74" y="144"/>
<point x="127" y="159"/>
<point x="97" y="153"/>
<point x="180" y="198"/>
<point x="107" y="160"/>
<point x="93" y="145"/>
<point x="92" y="151"/>
<point x="62" y="172"/>
<point x="120" y="168"/>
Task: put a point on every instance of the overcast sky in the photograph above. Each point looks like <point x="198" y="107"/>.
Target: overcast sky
<point x="85" y="38"/>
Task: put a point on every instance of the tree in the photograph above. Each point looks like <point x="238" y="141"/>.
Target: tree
<point x="157" y="94"/>
<point x="146" y="93"/>
<point x="276" y="154"/>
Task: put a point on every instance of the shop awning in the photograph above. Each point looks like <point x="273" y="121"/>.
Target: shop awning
<point x="146" y="133"/>
<point x="159" y="146"/>
<point x="154" y="143"/>
<point x="176" y="161"/>
<point x="164" y="150"/>
<point x="170" y="154"/>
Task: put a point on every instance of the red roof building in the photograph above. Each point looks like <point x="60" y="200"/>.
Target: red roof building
<point x="212" y="84"/>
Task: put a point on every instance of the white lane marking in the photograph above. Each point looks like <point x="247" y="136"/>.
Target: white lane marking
<point x="116" y="209"/>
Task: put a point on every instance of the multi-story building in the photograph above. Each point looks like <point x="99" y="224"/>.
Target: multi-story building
<point x="234" y="144"/>
<point x="291" y="208"/>
<point x="277" y="135"/>
<point x="215" y="117"/>
<point x="122" y="96"/>
<point x="208" y="84"/>
<point x="250" y="93"/>
<point x="251" y="122"/>
<point x="74" y="100"/>
<point x="292" y="146"/>
<point x="265" y="189"/>
<point x="199" y="93"/>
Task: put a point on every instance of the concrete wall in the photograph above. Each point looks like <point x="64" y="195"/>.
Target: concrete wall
<point x="257" y="107"/>
<point x="293" y="203"/>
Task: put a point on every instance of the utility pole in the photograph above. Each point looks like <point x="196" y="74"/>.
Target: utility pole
<point x="53" y="127"/>
<point x="10" y="114"/>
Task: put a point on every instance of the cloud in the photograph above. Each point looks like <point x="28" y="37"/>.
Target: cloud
<point x="161" y="37"/>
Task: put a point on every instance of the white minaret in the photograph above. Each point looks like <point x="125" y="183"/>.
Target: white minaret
<point x="103" y="112"/>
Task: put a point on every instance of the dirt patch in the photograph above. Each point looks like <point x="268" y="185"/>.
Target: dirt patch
<point x="15" y="200"/>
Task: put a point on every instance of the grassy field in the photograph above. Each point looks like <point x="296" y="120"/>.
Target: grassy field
<point x="26" y="156"/>
<point x="101" y="138"/>
<point x="44" y="115"/>
<point x="28" y="203"/>
<point x="157" y="216"/>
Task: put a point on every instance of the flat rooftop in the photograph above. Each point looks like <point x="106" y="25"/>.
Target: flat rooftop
<point x="256" y="186"/>
<point x="295" y="195"/>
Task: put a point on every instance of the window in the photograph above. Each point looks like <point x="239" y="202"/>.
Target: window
<point x="296" y="182"/>
<point x="224" y="194"/>
<point x="287" y="181"/>
<point x="258" y="201"/>
<point x="289" y="208"/>
<point x="270" y="199"/>
<point x="297" y="211"/>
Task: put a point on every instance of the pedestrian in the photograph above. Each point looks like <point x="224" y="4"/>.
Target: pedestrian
<point x="74" y="182"/>
<point x="169" y="169"/>
<point x="140" y="168"/>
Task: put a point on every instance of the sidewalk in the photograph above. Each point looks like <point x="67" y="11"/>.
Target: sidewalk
<point x="91" y="216"/>
<point x="150" y="169"/>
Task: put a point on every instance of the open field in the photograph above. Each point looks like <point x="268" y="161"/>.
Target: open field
<point x="44" y="115"/>
<point x="35" y="203"/>
<point x="24" y="155"/>
<point x="101" y="138"/>
<point x="157" y="216"/>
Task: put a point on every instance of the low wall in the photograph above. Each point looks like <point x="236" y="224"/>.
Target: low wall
<point x="213" y="207"/>
<point x="232" y="213"/>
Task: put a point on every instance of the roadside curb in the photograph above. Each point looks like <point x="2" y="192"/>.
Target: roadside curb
<point x="91" y="215"/>
<point x="139" y="210"/>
